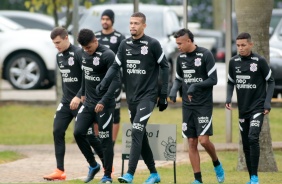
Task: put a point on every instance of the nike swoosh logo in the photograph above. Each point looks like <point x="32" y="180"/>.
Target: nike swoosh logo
<point x="204" y="126"/>
<point x="142" y="108"/>
<point x="102" y="115"/>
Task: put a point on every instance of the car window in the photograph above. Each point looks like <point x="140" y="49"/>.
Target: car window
<point x="30" y="23"/>
<point x="274" y="22"/>
<point x="7" y="24"/>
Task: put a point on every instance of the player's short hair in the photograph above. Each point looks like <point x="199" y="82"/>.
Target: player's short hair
<point x="141" y="15"/>
<point x="58" y="31"/>
<point x="85" y="36"/>
<point x="244" y="35"/>
<point x="183" y="32"/>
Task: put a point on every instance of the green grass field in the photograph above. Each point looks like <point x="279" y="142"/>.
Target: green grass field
<point x="32" y="124"/>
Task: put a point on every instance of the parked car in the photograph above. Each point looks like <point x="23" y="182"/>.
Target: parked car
<point x="28" y="56"/>
<point x="30" y="20"/>
<point x="161" y="22"/>
<point x="276" y="67"/>
<point x="276" y="37"/>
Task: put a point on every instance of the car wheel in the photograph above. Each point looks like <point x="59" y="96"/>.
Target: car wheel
<point x="25" y="71"/>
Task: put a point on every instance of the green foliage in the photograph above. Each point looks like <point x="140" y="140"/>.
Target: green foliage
<point x="52" y="7"/>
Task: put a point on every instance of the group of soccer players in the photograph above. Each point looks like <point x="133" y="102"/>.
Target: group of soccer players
<point x="91" y="78"/>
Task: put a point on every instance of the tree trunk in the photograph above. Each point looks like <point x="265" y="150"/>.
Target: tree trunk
<point x="253" y="16"/>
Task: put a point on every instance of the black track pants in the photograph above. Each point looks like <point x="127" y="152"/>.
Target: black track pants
<point x="139" y="116"/>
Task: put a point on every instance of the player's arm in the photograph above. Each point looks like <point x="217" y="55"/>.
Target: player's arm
<point x="267" y="74"/>
<point x="164" y="69"/>
<point x="230" y="86"/>
<point x="114" y="85"/>
<point x="78" y="58"/>
<point x="177" y="82"/>
<point x="164" y="72"/>
<point x="112" y="72"/>
<point x="77" y="98"/>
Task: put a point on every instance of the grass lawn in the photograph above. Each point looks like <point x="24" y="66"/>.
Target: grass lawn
<point x="9" y="156"/>
<point x="32" y="124"/>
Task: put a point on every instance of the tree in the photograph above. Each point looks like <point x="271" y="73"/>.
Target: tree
<point x="53" y="7"/>
<point x="252" y="18"/>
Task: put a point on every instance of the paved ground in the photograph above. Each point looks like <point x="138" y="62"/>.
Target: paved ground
<point x="40" y="160"/>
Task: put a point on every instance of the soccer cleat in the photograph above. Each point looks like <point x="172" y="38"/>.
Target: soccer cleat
<point x="220" y="175"/>
<point x="92" y="172"/>
<point x="195" y="182"/>
<point x="126" y="178"/>
<point x="56" y="175"/>
<point x="153" y="178"/>
<point x="106" y="179"/>
<point x="254" y="179"/>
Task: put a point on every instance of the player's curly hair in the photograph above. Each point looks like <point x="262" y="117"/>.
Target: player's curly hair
<point x="85" y="36"/>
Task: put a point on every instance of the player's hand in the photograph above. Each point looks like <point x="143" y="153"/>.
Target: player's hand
<point x="99" y="108"/>
<point x="228" y="106"/>
<point x="172" y="98"/>
<point x="74" y="103"/>
<point x="266" y="111"/>
<point x="189" y="98"/>
<point x="100" y="88"/>
<point x="162" y="104"/>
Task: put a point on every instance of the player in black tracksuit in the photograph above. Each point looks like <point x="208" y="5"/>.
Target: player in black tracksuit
<point x="68" y="61"/>
<point x="96" y="60"/>
<point x="140" y="57"/>
<point x="111" y="38"/>
<point x="251" y="76"/>
<point x="196" y="73"/>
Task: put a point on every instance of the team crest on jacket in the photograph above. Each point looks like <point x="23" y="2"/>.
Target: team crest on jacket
<point x="71" y="61"/>
<point x="144" y="50"/>
<point x="113" y="39"/>
<point x="96" y="61"/>
<point x="198" y="62"/>
<point x="253" y="67"/>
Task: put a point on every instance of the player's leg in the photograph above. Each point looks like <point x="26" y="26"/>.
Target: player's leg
<point x="84" y="120"/>
<point x="189" y="132"/>
<point x="95" y="142"/>
<point x="105" y="124"/>
<point x="62" y="119"/>
<point x="116" y="125"/>
<point x="116" y="122"/>
<point x="256" y="122"/>
<point x="244" y="126"/>
<point x="203" y="119"/>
